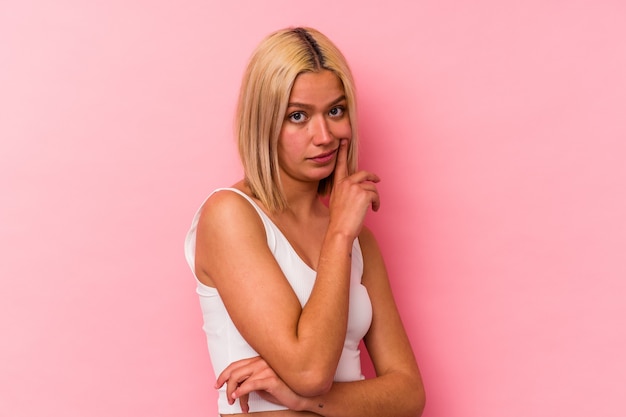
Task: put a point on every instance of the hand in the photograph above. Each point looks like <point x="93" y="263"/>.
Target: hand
<point x="351" y="195"/>
<point x="254" y="374"/>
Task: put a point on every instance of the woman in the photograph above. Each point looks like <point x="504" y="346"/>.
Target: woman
<point x="289" y="284"/>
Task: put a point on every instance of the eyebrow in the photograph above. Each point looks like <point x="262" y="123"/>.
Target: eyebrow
<point x="308" y="106"/>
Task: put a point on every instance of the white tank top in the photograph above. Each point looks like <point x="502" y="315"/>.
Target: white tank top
<point x="226" y="345"/>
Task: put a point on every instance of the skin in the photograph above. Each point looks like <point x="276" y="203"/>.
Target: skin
<point x="299" y="347"/>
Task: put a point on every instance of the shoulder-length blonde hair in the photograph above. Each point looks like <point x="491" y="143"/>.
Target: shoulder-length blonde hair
<point x="263" y="99"/>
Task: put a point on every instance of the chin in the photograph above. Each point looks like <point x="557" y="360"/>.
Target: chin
<point x="323" y="176"/>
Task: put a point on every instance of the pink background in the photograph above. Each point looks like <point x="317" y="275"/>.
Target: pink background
<point x="498" y="129"/>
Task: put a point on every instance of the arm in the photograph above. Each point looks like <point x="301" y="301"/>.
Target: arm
<point x="232" y="255"/>
<point x="397" y="391"/>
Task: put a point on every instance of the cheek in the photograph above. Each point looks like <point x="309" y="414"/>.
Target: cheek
<point x="287" y="146"/>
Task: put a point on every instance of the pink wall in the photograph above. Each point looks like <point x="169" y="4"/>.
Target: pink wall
<point x="498" y="129"/>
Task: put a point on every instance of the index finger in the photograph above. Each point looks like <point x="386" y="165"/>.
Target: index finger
<point x="341" y="165"/>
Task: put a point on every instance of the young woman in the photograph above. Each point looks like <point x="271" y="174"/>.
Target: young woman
<point x="290" y="283"/>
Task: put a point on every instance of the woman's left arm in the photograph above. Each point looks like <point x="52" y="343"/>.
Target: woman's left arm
<point x="396" y="391"/>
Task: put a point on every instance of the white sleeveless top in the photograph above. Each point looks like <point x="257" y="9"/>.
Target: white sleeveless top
<point x="226" y="345"/>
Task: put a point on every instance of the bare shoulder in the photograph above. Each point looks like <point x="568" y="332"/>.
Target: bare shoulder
<point x="228" y="226"/>
<point x="225" y="209"/>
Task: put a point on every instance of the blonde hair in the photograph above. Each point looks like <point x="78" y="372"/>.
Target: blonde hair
<point x="263" y="98"/>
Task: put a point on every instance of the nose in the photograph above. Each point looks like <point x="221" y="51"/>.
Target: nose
<point x="320" y="132"/>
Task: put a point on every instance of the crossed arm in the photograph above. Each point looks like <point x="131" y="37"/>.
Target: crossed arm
<point x="397" y="390"/>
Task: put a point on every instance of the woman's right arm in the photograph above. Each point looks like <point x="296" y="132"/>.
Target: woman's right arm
<point x="302" y="344"/>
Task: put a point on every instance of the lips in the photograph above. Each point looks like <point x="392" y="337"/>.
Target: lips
<point x="324" y="157"/>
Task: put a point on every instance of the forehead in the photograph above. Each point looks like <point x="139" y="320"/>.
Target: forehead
<point x="316" y="87"/>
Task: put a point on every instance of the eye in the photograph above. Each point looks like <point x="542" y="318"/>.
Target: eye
<point x="297" y="117"/>
<point x="337" y="111"/>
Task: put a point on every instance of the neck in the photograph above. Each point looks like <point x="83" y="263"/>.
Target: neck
<point x="302" y="198"/>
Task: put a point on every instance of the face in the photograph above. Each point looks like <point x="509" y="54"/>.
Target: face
<point x="315" y="122"/>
